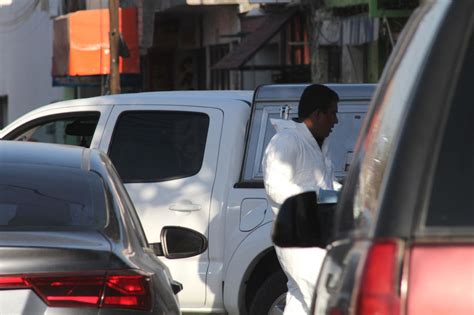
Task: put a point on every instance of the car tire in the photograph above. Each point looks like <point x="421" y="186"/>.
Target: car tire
<point x="271" y="296"/>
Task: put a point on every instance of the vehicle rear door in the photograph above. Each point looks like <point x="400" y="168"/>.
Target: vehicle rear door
<point x="166" y="155"/>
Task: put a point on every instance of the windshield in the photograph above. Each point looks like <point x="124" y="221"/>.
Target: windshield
<point x="42" y="197"/>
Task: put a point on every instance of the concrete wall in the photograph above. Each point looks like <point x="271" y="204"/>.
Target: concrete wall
<point x="25" y="58"/>
<point x="220" y="21"/>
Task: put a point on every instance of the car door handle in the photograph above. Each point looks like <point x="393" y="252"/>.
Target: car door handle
<point x="185" y="206"/>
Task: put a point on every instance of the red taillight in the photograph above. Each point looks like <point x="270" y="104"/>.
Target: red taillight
<point x="119" y="289"/>
<point x="13" y="282"/>
<point x="127" y="290"/>
<point x="378" y="292"/>
<point x="68" y="291"/>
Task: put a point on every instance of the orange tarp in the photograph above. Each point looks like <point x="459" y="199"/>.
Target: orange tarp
<point x="81" y="43"/>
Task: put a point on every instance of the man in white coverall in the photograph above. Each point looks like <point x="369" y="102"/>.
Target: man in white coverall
<point x="296" y="160"/>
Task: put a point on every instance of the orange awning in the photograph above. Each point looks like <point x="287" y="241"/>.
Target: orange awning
<point x="81" y="43"/>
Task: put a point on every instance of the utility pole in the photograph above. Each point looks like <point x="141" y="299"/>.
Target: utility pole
<point x="114" y="47"/>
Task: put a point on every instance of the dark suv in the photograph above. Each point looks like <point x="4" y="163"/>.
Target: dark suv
<point x="404" y="241"/>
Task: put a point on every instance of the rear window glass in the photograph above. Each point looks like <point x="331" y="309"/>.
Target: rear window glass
<point x="38" y="197"/>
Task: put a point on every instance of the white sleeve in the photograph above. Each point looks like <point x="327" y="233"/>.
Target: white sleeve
<point x="279" y="168"/>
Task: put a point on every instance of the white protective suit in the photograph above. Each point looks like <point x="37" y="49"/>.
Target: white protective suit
<point x="294" y="163"/>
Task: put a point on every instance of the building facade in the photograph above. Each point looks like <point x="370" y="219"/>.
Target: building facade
<point x="209" y="44"/>
<point x="25" y="57"/>
<point x="225" y="45"/>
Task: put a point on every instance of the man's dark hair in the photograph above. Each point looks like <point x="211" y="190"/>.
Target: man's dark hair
<point x="315" y="97"/>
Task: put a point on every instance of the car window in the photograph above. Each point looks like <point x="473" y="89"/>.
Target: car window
<point x="158" y="145"/>
<point x="452" y="194"/>
<point x="77" y="130"/>
<point x="52" y="197"/>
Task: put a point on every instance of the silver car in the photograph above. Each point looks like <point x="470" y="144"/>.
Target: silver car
<point x="71" y="242"/>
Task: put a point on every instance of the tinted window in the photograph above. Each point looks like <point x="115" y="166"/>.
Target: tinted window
<point x="157" y="146"/>
<point x="72" y="130"/>
<point x="452" y="197"/>
<point x="35" y="197"/>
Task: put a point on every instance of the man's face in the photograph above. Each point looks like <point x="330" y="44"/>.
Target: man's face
<point x="325" y="121"/>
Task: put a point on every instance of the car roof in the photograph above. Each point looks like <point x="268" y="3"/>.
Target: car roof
<point x="19" y="152"/>
<point x="145" y="98"/>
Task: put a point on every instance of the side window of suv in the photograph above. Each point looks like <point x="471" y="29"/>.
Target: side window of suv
<point x="452" y="195"/>
<point x="73" y="130"/>
<point x="154" y="146"/>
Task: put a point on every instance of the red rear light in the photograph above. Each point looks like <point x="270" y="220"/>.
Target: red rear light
<point x="68" y="291"/>
<point x="378" y="292"/>
<point x="441" y="279"/>
<point x="118" y="289"/>
<point x="13" y="282"/>
<point x="127" y="290"/>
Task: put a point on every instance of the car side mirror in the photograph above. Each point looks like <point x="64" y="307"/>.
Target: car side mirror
<point x="179" y="242"/>
<point x="302" y="222"/>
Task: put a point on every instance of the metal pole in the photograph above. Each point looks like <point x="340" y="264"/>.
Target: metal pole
<point x="114" y="47"/>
